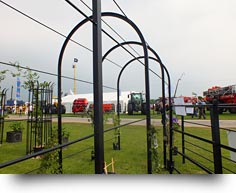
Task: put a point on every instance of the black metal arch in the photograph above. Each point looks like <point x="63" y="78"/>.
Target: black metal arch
<point x="2" y="104"/>
<point x="147" y="89"/>
<point x="163" y="68"/>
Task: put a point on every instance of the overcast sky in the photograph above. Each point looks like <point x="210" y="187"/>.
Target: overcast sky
<point x="194" y="38"/>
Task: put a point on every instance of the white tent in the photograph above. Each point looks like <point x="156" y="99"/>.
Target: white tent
<point x="109" y="97"/>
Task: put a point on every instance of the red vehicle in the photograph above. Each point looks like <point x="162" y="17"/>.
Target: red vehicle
<point x="79" y="105"/>
<point x="192" y="100"/>
<point x="225" y="95"/>
<point x="107" y="107"/>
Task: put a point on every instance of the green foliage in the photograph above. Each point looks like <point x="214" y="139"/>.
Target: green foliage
<point x="115" y="119"/>
<point x="65" y="133"/>
<point x="152" y="134"/>
<point x="31" y="78"/>
<point x="3" y="75"/>
<point x="18" y="70"/>
<point x="17" y="126"/>
<point x="116" y="122"/>
<point x="50" y="161"/>
<point x="91" y="115"/>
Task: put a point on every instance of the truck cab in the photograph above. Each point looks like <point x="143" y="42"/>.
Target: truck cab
<point x="136" y="103"/>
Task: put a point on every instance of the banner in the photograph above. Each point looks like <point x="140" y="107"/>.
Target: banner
<point x="18" y="88"/>
<point x="180" y="108"/>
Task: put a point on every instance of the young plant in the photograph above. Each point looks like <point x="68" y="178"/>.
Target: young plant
<point x="116" y="122"/>
<point x="154" y="149"/>
<point x="50" y="161"/>
<point x="17" y="126"/>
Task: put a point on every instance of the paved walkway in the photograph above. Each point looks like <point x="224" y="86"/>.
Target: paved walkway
<point x="156" y="122"/>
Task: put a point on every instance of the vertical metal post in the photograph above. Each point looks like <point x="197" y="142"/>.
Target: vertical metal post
<point x="59" y="129"/>
<point x="118" y="110"/>
<point x="74" y="67"/>
<point x="183" y="140"/>
<point x="2" y="104"/>
<point x="148" y="116"/>
<point x="171" y="132"/>
<point x="97" y="88"/>
<point x="163" y="118"/>
<point x="215" y="130"/>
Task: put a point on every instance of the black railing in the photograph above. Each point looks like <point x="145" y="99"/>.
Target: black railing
<point x="206" y="151"/>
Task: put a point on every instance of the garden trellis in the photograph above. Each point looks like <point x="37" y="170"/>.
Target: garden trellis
<point x="43" y="118"/>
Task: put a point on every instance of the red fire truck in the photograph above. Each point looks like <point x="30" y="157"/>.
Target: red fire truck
<point x="79" y="105"/>
<point x="225" y="95"/>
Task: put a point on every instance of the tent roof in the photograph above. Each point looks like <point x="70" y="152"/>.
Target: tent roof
<point x="109" y="96"/>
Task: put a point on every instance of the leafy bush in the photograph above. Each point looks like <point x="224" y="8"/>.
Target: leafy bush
<point x="17" y="126"/>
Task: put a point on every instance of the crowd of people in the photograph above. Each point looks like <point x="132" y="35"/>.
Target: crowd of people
<point x="20" y="109"/>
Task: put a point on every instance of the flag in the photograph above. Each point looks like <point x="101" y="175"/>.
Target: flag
<point x="71" y="92"/>
<point x="18" y="88"/>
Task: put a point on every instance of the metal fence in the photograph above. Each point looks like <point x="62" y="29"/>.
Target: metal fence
<point x="204" y="147"/>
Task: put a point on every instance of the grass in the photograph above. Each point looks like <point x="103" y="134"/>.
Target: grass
<point x="131" y="159"/>
<point x="77" y="157"/>
<point x="201" y="152"/>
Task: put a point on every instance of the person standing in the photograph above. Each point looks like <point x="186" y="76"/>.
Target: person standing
<point x="31" y="109"/>
<point x="201" y="107"/>
<point x="20" y="109"/>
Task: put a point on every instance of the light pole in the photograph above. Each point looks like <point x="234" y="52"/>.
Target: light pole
<point x="178" y="83"/>
<point x="74" y="67"/>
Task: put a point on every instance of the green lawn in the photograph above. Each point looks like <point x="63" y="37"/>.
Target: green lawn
<point x="131" y="159"/>
<point x="201" y="152"/>
<point x="77" y="157"/>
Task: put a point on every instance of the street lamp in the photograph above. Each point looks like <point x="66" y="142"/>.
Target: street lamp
<point x="74" y="67"/>
<point x="178" y="83"/>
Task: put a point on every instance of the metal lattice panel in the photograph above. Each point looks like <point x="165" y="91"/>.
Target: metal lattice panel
<point x="39" y="123"/>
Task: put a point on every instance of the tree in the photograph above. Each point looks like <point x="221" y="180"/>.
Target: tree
<point x="2" y="76"/>
<point x="18" y="68"/>
<point x="31" y="78"/>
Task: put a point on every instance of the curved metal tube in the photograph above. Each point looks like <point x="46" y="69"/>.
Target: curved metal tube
<point x="163" y="90"/>
<point x="148" y="121"/>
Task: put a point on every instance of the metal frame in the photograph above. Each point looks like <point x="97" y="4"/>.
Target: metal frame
<point x="39" y="121"/>
<point x="98" y="89"/>
<point x="2" y="104"/>
<point x="95" y="52"/>
<point x="215" y="148"/>
<point x="163" y="68"/>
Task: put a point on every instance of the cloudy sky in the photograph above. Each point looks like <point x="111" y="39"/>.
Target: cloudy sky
<point x="196" y="40"/>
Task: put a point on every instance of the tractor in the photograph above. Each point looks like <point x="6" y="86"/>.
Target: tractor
<point x="136" y="103"/>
